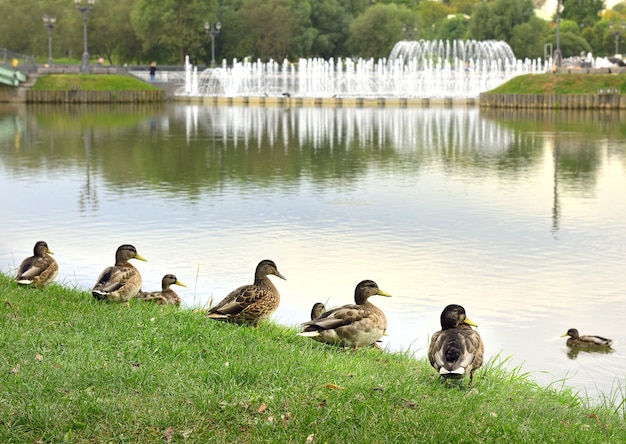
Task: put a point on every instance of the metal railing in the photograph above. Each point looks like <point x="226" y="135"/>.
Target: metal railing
<point x="25" y="63"/>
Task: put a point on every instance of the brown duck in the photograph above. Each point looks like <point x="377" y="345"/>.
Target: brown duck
<point x="122" y="281"/>
<point x="456" y="350"/>
<point x="253" y="303"/>
<point x="166" y="296"/>
<point x="38" y="270"/>
<point x="352" y="325"/>
<point x="587" y="341"/>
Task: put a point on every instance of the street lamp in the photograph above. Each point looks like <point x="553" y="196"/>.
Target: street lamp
<point x="557" y="52"/>
<point x="617" y="33"/>
<point x="48" y="22"/>
<point x="85" y="9"/>
<point x="408" y="32"/>
<point x="213" y="32"/>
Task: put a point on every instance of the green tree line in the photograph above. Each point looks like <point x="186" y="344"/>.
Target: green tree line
<point x="165" y="31"/>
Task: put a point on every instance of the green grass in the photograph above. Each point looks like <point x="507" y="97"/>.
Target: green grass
<point x="89" y="82"/>
<point x="77" y="370"/>
<point x="561" y="84"/>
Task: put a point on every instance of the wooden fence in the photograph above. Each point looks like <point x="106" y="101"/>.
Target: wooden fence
<point x="79" y="96"/>
<point x="603" y="99"/>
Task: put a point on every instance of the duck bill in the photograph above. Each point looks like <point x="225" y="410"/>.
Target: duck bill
<point x="141" y="258"/>
<point x="277" y="274"/>
<point x="180" y="283"/>
<point x="468" y="321"/>
<point x="383" y="293"/>
<point x="50" y="251"/>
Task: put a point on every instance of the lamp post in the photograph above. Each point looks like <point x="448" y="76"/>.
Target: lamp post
<point x="48" y="22"/>
<point x="213" y="32"/>
<point x="85" y="9"/>
<point x="408" y="32"/>
<point x="617" y="32"/>
<point x="557" y="52"/>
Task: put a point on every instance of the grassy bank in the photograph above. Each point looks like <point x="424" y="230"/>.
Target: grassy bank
<point x="89" y="82"/>
<point x="562" y="84"/>
<point x="77" y="370"/>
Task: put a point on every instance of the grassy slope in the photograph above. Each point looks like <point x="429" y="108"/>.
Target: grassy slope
<point x="561" y="84"/>
<point x="89" y="82"/>
<point x="77" y="370"/>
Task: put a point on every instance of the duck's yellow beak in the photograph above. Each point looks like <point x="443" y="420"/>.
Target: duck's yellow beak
<point x="50" y="251"/>
<point x="179" y="283"/>
<point x="383" y="293"/>
<point x="141" y="258"/>
<point x="468" y="321"/>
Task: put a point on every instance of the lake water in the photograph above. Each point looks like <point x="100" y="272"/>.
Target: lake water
<point x="518" y="216"/>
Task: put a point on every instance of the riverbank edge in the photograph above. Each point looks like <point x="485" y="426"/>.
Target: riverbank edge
<point x="314" y="389"/>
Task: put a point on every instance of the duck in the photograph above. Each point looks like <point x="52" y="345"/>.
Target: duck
<point x="166" y="296"/>
<point x="456" y="350"/>
<point x="317" y="310"/>
<point x="250" y="304"/>
<point x="122" y="281"/>
<point x="38" y="270"/>
<point x="588" y="341"/>
<point x="353" y="325"/>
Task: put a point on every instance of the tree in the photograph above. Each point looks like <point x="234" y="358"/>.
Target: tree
<point x="172" y="29"/>
<point x="111" y="33"/>
<point x="431" y="16"/>
<point x="271" y="27"/>
<point x="584" y="12"/>
<point x="373" y="33"/>
<point x="524" y="41"/>
<point x="454" y="28"/>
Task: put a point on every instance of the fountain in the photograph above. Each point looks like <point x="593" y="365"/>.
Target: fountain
<point x="414" y="69"/>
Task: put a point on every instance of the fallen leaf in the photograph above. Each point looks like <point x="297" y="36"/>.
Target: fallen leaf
<point x="15" y="369"/>
<point x="38" y="357"/>
<point x="8" y="303"/>
<point x="168" y="432"/>
<point x="262" y="408"/>
<point x="334" y="386"/>
<point x="270" y="418"/>
<point x="409" y="404"/>
<point x="309" y="439"/>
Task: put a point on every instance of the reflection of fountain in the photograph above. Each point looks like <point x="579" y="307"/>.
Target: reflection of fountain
<point x="414" y="69"/>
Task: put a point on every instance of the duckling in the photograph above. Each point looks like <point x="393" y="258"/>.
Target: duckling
<point x="352" y="325"/>
<point x="38" y="270"/>
<point x="253" y="303"/>
<point x="166" y="295"/>
<point x="317" y="310"/>
<point x="456" y="349"/>
<point x="122" y="281"/>
<point x="589" y="341"/>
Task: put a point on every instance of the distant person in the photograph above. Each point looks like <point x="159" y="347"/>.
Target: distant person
<point x="152" y="71"/>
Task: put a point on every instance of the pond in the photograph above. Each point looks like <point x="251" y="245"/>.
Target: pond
<point x="518" y="216"/>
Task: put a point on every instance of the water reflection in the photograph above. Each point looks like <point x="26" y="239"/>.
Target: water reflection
<point x="573" y="352"/>
<point x="518" y="216"/>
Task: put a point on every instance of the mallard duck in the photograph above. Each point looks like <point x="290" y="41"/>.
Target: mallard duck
<point x="589" y="341"/>
<point x="317" y="310"/>
<point x="456" y="350"/>
<point x="353" y="325"/>
<point x="122" y="281"/>
<point x="251" y="304"/>
<point x="166" y="295"/>
<point x="38" y="270"/>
